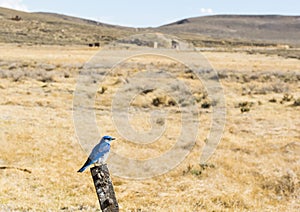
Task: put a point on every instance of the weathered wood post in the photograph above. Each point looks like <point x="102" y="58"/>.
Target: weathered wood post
<point x="104" y="188"/>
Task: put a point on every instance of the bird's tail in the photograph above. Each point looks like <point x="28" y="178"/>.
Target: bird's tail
<point x="84" y="167"/>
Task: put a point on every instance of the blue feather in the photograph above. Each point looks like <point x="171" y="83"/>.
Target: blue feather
<point x="99" y="153"/>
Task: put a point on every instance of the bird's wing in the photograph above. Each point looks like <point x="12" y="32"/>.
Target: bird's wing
<point x="99" y="150"/>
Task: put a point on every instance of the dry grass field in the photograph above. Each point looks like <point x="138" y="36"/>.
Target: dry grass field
<point x="256" y="167"/>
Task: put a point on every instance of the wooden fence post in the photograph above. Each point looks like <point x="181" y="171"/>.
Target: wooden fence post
<point x="104" y="188"/>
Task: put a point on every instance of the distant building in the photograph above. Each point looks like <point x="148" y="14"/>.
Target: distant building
<point x="16" y="18"/>
<point x="175" y="45"/>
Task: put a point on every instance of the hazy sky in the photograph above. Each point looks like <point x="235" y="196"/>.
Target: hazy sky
<point x="155" y="12"/>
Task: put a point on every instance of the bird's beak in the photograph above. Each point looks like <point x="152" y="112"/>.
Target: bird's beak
<point x="113" y="138"/>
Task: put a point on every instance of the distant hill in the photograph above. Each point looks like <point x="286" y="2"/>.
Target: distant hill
<point x="263" y="28"/>
<point x="77" y="20"/>
<point x="51" y="28"/>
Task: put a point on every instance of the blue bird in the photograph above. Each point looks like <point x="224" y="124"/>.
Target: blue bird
<point x="99" y="154"/>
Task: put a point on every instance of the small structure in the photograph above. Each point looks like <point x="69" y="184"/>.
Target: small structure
<point x="175" y="45"/>
<point x="16" y="18"/>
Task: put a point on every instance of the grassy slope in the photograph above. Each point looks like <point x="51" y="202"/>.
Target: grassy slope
<point x="44" y="28"/>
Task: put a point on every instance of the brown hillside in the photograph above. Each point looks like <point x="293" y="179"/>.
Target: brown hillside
<point x="263" y="28"/>
<point x="45" y="28"/>
<point x="50" y="28"/>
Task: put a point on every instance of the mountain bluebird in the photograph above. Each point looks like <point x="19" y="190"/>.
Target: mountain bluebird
<point x="99" y="154"/>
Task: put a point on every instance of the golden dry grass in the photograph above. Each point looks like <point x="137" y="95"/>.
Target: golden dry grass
<point x="255" y="168"/>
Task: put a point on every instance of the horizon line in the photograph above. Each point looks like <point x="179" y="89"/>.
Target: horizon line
<point x="157" y="26"/>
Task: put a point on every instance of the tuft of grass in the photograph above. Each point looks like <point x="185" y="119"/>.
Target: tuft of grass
<point x="197" y="170"/>
<point x="287" y="97"/>
<point x="297" y="102"/>
<point x="206" y="105"/>
<point x="245" y="106"/>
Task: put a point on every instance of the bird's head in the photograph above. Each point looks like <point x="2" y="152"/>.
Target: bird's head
<point x="107" y="139"/>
